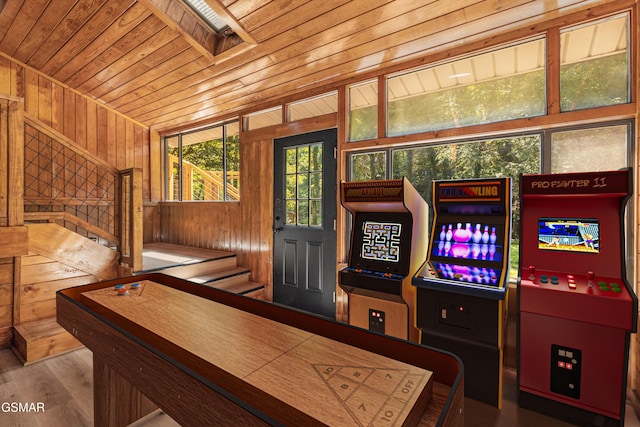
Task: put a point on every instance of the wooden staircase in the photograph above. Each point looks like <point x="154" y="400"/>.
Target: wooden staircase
<point x="58" y="258"/>
<point x="217" y="269"/>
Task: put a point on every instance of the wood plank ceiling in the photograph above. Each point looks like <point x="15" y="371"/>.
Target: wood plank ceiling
<point x="152" y="61"/>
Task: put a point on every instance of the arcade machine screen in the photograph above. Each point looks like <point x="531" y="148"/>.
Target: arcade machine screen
<point x="381" y="242"/>
<point x="569" y="235"/>
<point x="470" y="252"/>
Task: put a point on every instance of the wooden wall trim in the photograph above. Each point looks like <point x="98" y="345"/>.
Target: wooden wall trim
<point x="327" y="121"/>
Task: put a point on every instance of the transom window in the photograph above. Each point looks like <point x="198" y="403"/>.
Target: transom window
<point x="502" y="84"/>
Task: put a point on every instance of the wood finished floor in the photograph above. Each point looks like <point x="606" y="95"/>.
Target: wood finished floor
<point x="65" y="385"/>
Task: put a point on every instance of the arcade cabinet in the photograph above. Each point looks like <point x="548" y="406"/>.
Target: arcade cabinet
<point x="576" y="309"/>
<point x="461" y="287"/>
<point x="389" y="237"/>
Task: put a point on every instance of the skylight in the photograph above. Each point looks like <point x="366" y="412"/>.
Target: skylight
<point x="202" y="8"/>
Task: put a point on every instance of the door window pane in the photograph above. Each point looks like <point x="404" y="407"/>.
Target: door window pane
<point x="594" y="68"/>
<point x="303" y="183"/>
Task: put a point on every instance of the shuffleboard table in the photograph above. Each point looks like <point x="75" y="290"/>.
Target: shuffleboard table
<point x="209" y="357"/>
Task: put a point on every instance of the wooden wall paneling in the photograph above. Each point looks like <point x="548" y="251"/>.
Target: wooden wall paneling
<point x="102" y="132"/>
<point x="91" y="131"/>
<point x="265" y="236"/>
<point x="6" y="301"/>
<point x="15" y="159"/>
<point x="78" y="127"/>
<point x="153" y="155"/>
<point x="130" y="153"/>
<point x="70" y="121"/>
<point x="4" y="158"/>
<point x="17" y="280"/>
<point x="57" y="107"/>
<point x="44" y="100"/>
<point x="261" y="211"/>
<point x="120" y="144"/>
<point x="31" y="93"/>
<point x="111" y="139"/>
<point x="6" y="80"/>
<point x="151" y="220"/>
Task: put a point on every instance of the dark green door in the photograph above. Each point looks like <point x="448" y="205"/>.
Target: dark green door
<point x="304" y="243"/>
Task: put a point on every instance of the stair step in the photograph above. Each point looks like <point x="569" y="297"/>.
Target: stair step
<point x="38" y="340"/>
<point x="201" y="268"/>
<point x="246" y="288"/>
<point x="220" y="278"/>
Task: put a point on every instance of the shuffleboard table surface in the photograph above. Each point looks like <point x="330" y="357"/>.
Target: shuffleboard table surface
<point x="332" y="382"/>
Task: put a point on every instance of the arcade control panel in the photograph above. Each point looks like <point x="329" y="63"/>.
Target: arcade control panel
<point x="380" y="281"/>
<point x="578" y="296"/>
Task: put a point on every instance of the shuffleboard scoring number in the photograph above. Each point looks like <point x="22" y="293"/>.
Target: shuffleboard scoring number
<point x="408" y="387"/>
<point x="389" y="416"/>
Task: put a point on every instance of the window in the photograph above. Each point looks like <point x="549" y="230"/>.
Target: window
<point x="313" y="107"/>
<point x="591" y="149"/>
<point x="594" y="69"/>
<point x="369" y="166"/>
<point x="264" y="118"/>
<point x="363" y="111"/>
<point x="504" y="84"/>
<point x="204" y="10"/>
<point x="204" y="164"/>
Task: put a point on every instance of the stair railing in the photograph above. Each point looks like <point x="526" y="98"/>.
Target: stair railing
<point x="67" y="184"/>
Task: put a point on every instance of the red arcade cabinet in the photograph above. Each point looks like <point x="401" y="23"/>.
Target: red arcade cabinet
<point x="576" y="309"/>
<point x="389" y="238"/>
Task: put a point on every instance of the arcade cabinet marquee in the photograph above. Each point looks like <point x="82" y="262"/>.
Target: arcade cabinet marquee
<point x="388" y="243"/>
<point x="576" y="308"/>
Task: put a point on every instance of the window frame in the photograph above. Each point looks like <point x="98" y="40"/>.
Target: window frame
<point x="167" y="165"/>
